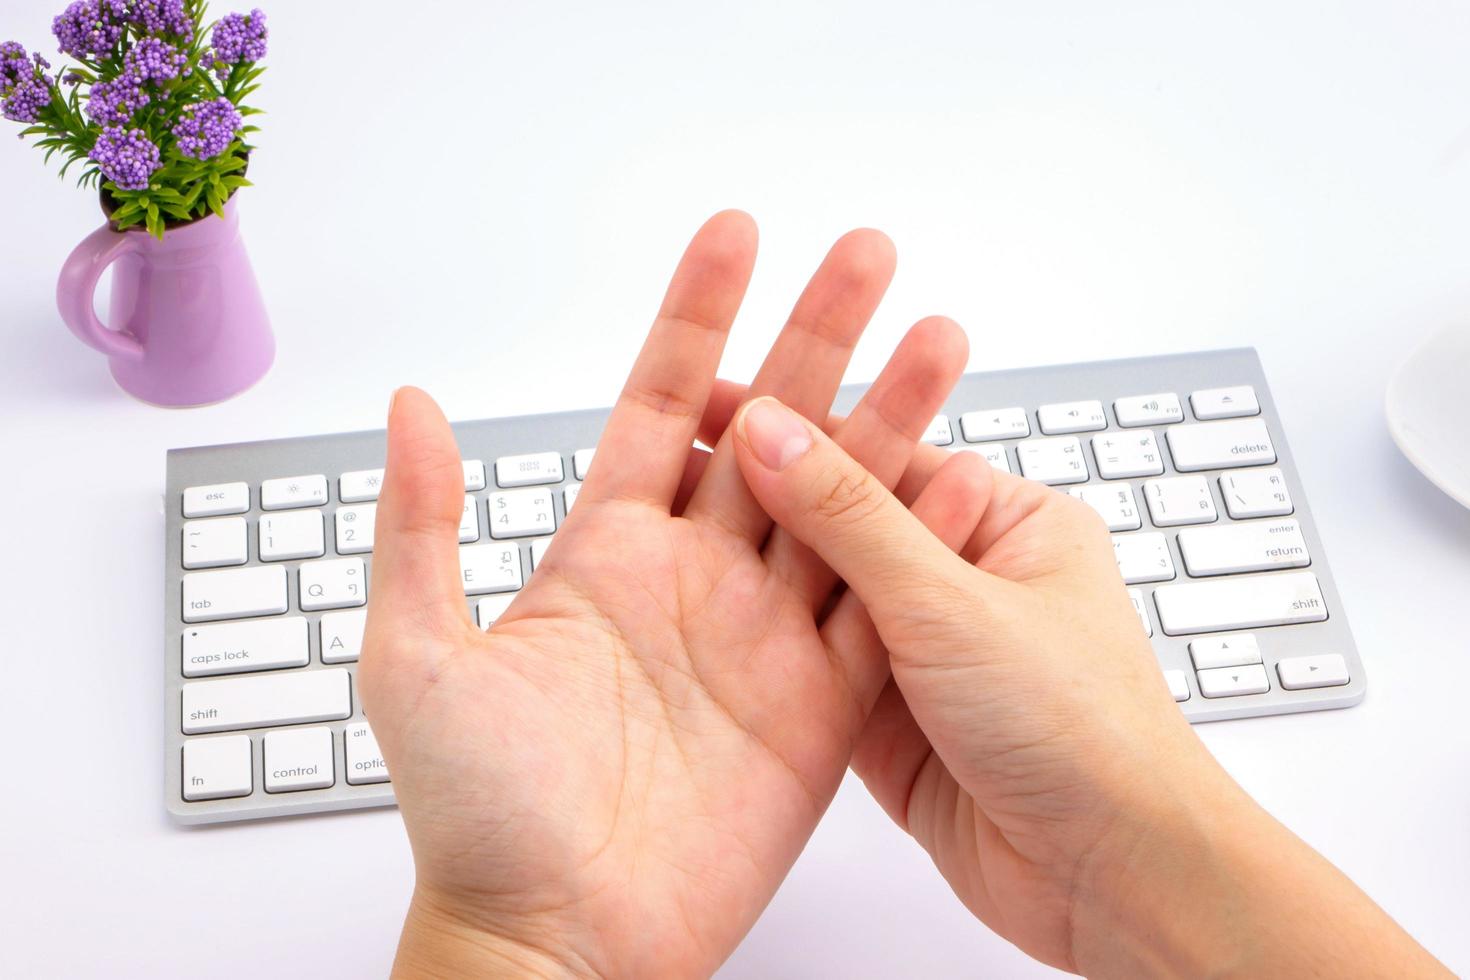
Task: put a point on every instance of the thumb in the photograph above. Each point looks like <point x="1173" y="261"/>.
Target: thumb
<point x="416" y="575"/>
<point x="824" y="497"/>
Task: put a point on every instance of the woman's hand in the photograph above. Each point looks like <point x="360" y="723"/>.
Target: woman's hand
<point x="615" y="778"/>
<point x="1027" y="739"/>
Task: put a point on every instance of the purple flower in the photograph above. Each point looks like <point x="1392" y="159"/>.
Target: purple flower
<point x="152" y="60"/>
<point x="90" y="28"/>
<point x="160" y="17"/>
<point x="240" y="37"/>
<point x="114" y="103"/>
<point x="126" y="157"/>
<point x="206" y="129"/>
<point x="24" y="88"/>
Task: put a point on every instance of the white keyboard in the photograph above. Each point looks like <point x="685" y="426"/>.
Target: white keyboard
<point x="269" y="554"/>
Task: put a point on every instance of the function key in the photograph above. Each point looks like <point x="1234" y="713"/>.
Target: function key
<point x="474" y="475"/>
<point x="582" y="462"/>
<point x="360" y="486"/>
<point x="995" y="423"/>
<point x="1224" y="403"/>
<point x="216" y="500"/>
<point x="939" y="433"/>
<point x="1148" y="410"/>
<point x="217" y="768"/>
<point x="528" y="470"/>
<point x="1065" y="417"/>
<point x="293" y="491"/>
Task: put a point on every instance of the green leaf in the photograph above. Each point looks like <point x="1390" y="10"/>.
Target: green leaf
<point x="216" y="202"/>
<point x="235" y="183"/>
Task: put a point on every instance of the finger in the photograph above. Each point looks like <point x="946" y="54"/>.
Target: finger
<point x="946" y="513"/>
<point x="694" y="469"/>
<point x="821" y="495"/>
<point x="724" y="398"/>
<point x="881" y="434"/>
<point x="643" y="449"/>
<point x="804" y="367"/>
<point x="416" y="577"/>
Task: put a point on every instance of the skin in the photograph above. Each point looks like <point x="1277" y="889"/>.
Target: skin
<point x="615" y="778"/>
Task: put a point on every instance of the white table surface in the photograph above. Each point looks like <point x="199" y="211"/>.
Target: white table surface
<point x="485" y="199"/>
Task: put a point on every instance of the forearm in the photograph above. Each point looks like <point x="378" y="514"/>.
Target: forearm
<point x="1214" y="886"/>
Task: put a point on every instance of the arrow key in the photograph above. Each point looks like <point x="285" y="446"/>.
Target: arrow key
<point x="1305" y="673"/>
<point x="1230" y="682"/>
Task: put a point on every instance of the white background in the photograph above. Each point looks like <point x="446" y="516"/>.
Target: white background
<point x="485" y="198"/>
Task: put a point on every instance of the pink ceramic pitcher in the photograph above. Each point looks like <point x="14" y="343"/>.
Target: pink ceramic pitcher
<point x="187" y="324"/>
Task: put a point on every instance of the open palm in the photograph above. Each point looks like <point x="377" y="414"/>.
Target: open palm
<point x="619" y="773"/>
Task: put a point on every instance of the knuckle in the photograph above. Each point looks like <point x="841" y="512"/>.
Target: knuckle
<point x="846" y="500"/>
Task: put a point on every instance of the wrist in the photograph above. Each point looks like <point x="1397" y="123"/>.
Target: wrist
<point x="437" y="941"/>
<point x="1169" y="890"/>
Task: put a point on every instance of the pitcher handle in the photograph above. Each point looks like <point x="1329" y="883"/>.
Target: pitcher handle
<point x="78" y="284"/>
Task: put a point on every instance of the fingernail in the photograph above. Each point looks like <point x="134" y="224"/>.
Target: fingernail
<point x="775" y="434"/>
<point x="393" y="400"/>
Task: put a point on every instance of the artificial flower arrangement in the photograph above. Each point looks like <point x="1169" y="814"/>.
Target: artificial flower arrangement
<point x="154" y="109"/>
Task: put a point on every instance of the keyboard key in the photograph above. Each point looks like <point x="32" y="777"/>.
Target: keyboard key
<point x="490" y="568"/>
<point x="1126" y="454"/>
<point x="1260" y="546"/>
<point x="995" y="423"/>
<point x="1305" y="673"/>
<point x="234" y="594"/>
<point x="939" y="432"/>
<point x="1232" y="682"/>
<point x="1179" y="500"/>
<point x="293" y="491"/>
<point x="1052" y="461"/>
<point x="299" y="759"/>
<point x="1066" y="417"/>
<point x="1225" y="403"/>
<point x="359" y="486"/>
<point x="538" y="551"/>
<point x="1143" y="557"/>
<point x="263" y="700"/>
<point x="341" y="636"/>
<point x="474" y="475"/>
<point x="1255" y="493"/>
<point x="355" y="526"/>
<point x="211" y="544"/>
<point x="364" y="759"/>
<point x="491" y="608"/>
<point x="1220" y="445"/>
<point x="994" y="453"/>
<point x="469" y="521"/>
<point x="1115" y="504"/>
<point x="216" y="499"/>
<point x="520" y="513"/>
<point x="232" y="648"/>
<point x="292" y="535"/>
<point x="1178" y="684"/>
<point x="1148" y="410"/>
<point x="528" y="470"/>
<point x="217" y="768"/>
<point x="1240" y="603"/>
<point x="569" y="496"/>
<point x="332" y="584"/>
<point x="1136" y="597"/>
<point x="582" y="462"/>
<point x="1235" y="650"/>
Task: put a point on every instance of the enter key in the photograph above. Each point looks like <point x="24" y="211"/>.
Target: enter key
<point x="1257" y="546"/>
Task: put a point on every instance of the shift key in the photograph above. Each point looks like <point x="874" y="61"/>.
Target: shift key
<point x="1240" y="603"/>
<point x="272" y="699"/>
